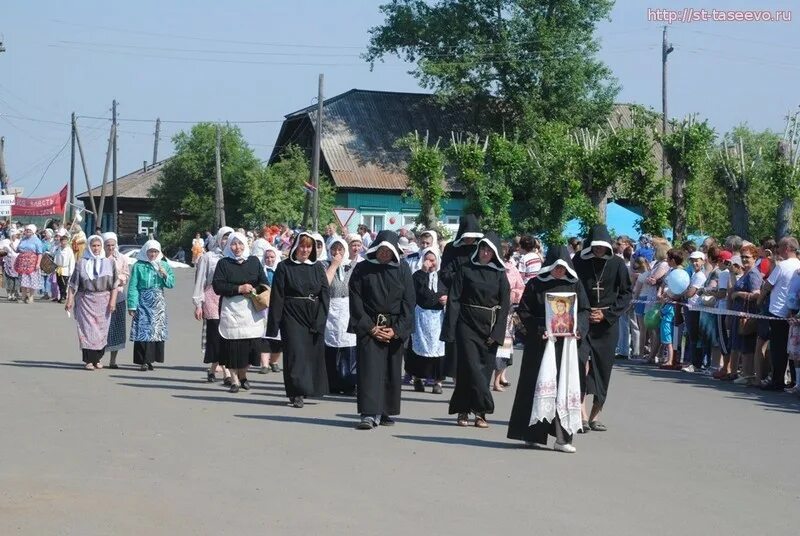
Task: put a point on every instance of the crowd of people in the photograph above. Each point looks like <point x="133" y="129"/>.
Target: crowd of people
<point x="363" y="313"/>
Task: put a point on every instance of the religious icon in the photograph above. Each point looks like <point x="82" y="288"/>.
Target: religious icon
<point x="561" y="313"/>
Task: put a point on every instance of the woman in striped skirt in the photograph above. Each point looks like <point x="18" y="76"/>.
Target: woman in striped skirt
<point x="116" y="330"/>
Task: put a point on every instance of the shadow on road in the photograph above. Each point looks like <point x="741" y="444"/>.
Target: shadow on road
<point x="772" y="401"/>
<point x="238" y="398"/>
<point x="302" y="420"/>
<point x="44" y="364"/>
<point x="463" y="441"/>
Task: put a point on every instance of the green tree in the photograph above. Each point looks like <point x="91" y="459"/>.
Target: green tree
<point x="426" y="177"/>
<point x="279" y="196"/>
<point x="686" y="149"/>
<point x="785" y="172"/>
<point x="184" y="196"/>
<point x="538" y="57"/>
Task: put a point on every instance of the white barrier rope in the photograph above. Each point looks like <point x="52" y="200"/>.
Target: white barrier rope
<point x="715" y="311"/>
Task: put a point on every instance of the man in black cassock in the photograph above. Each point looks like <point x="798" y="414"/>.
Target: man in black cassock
<point x="382" y="317"/>
<point x="607" y="284"/>
<point x="456" y="254"/>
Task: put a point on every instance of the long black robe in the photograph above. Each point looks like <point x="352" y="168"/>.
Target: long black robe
<point x="453" y="258"/>
<point x="228" y="276"/>
<point x="531" y="312"/>
<point x="470" y="327"/>
<point x="301" y="322"/>
<point x="385" y="289"/>
<point x="614" y="297"/>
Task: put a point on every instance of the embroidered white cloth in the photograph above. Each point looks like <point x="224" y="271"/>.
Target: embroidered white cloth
<point x="563" y="398"/>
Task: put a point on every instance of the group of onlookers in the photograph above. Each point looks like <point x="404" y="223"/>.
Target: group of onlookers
<point x="708" y="328"/>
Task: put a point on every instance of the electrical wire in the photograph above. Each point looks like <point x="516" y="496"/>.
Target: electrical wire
<point x="48" y="166"/>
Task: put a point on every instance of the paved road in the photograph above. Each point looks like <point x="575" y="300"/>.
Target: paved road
<point x="126" y="452"/>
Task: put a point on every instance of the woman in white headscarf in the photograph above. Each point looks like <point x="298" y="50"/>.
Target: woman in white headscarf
<point x="236" y="279"/>
<point x="424" y="360"/>
<point x="146" y="304"/>
<point x="93" y="293"/>
<point x="340" y="346"/>
<point x="29" y="257"/>
<point x="322" y="250"/>
<point x="206" y="306"/>
<point x="116" y="331"/>
<point x="271" y="347"/>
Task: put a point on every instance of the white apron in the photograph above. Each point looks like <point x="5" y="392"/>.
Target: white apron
<point x="238" y="319"/>
<point x="336" y="335"/>
<point x="427" y="329"/>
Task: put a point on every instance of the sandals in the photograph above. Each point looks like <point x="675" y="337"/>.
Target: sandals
<point x="585" y="429"/>
<point x="88" y="366"/>
<point x="463" y="419"/>
<point x="480" y="422"/>
<point x="597" y="426"/>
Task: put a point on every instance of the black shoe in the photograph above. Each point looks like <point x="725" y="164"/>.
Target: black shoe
<point x="227" y="382"/>
<point x="437" y="389"/>
<point x="234" y="388"/>
<point x="211" y="377"/>
<point x="263" y="370"/>
<point x="274" y="367"/>
<point x="245" y="385"/>
<point x="143" y="367"/>
<point x="114" y="366"/>
<point x="772" y="387"/>
<point x="505" y="384"/>
<point x="419" y="387"/>
<point x="367" y="423"/>
<point x="297" y="402"/>
<point x="386" y="420"/>
<point x="597" y="426"/>
<point x="149" y="366"/>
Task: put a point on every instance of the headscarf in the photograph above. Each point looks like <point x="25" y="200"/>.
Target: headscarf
<point x="219" y="237"/>
<point x="31" y="227"/>
<point x="383" y="239"/>
<point x="433" y="277"/>
<point x="111" y="236"/>
<point x="228" y="252"/>
<point x="277" y="252"/>
<point x="340" y="270"/>
<point x="493" y="241"/>
<point x="434" y="237"/>
<point x="94" y="263"/>
<point x="312" y="258"/>
<point x="142" y="256"/>
<point x="557" y="255"/>
<point x="323" y="256"/>
<point x="48" y="233"/>
<point x="598" y="236"/>
<point x="468" y="227"/>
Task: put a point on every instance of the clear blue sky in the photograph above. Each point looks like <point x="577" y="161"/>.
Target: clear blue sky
<point x="78" y="56"/>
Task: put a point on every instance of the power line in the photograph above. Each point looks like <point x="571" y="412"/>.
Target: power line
<point x="48" y="166"/>
<point x="258" y="121"/>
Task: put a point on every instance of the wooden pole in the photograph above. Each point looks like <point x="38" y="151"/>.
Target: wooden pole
<point x="155" y="141"/>
<point x="666" y="49"/>
<point x="3" y="174"/>
<point x="220" y="196"/>
<point x="72" y="168"/>
<point x="105" y="175"/>
<point x="115" y="216"/>
<point x="316" y="157"/>
<point x="83" y="164"/>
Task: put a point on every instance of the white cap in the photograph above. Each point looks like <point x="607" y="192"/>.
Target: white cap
<point x="698" y="255"/>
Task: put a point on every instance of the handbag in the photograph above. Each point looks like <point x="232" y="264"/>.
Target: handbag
<point x="47" y="265"/>
<point x="709" y="300"/>
<point x="260" y="297"/>
<point x="747" y="326"/>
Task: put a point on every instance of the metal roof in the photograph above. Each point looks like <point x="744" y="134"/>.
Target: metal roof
<point x="135" y="185"/>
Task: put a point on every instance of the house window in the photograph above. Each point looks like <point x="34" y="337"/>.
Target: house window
<point x="373" y="221"/>
<point x="408" y="220"/>
<point x="147" y="225"/>
<point x="450" y="220"/>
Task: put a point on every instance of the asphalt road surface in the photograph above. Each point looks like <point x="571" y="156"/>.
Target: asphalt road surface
<point x="163" y="452"/>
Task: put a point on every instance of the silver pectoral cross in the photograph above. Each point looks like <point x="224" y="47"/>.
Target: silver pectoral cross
<point x="597" y="288"/>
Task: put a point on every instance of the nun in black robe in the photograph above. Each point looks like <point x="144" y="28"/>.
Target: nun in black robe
<point x="298" y="308"/>
<point x="477" y="309"/>
<point x="608" y="287"/>
<point x="381" y="302"/>
<point x="456" y="254"/>
<point x="531" y="312"/>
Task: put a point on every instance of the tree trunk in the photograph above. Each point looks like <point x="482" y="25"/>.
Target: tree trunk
<point x="600" y="202"/>
<point x="739" y="213"/>
<point x="784" y="219"/>
<point x="679" y="177"/>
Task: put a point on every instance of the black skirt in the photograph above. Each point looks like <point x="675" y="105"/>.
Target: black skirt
<point x="424" y="368"/>
<point x="148" y="352"/>
<point x="213" y="342"/>
<point x="341" y="366"/>
<point x="271" y="346"/>
<point x="240" y="353"/>
<point x="92" y="356"/>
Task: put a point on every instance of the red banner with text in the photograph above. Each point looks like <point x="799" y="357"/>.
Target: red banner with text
<point x="40" y="206"/>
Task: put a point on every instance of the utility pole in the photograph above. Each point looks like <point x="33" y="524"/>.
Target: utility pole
<point x="3" y="174"/>
<point x="83" y="164"/>
<point x="666" y="49"/>
<point x="220" y="197"/>
<point x="155" y="140"/>
<point x="105" y="175"/>
<point x="315" y="161"/>
<point x="72" y="169"/>
<point x="115" y="217"/>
